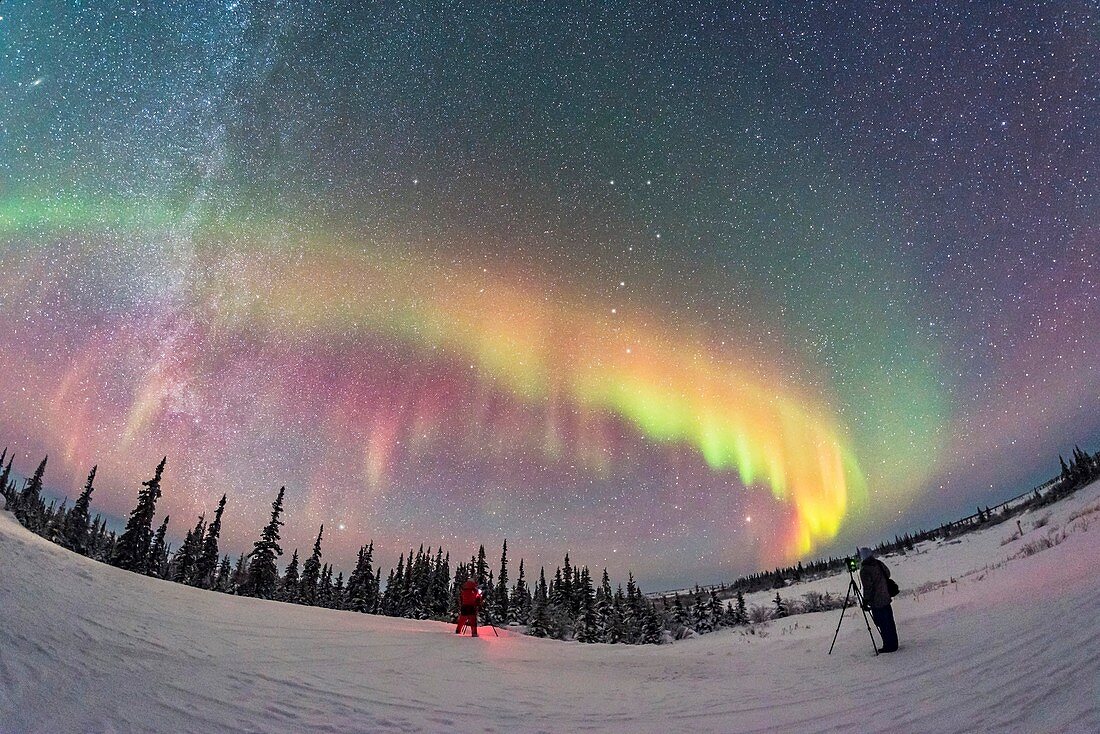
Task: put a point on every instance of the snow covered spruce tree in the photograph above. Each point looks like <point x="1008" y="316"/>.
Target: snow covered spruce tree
<point x="540" y="613"/>
<point x="183" y="565"/>
<point x="132" y="548"/>
<point x="29" y="509"/>
<point x="288" y="588"/>
<point x="311" y="574"/>
<point x="782" y="609"/>
<point x="262" y="575"/>
<point x="74" y="534"/>
<point x="5" y="480"/>
<point x="157" y="563"/>
<point x="206" y="565"/>
<point x="520" y="602"/>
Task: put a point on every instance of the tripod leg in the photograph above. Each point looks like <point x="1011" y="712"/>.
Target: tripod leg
<point x="859" y="598"/>
<point x="843" y="609"/>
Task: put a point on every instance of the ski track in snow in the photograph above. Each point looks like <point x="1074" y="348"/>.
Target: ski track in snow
<point x="1009" y="647"/>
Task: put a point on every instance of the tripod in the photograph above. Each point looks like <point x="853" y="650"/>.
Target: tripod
<point x="463" y="627"/>
<point x="853" y="588"/>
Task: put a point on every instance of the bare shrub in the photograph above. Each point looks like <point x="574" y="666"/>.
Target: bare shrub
<point x="812" y="601"/>
<point x="758" y="614"/>
<point x="1041" y="522"/>
<point x="1032" y="547"/>
<point x="1084" y="511"/>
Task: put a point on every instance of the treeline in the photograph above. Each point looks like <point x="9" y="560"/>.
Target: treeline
<point x="1083" y="468"/>
<point x="570" y="605"/>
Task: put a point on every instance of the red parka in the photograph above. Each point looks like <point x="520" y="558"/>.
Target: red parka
<point x="471" y="595"/>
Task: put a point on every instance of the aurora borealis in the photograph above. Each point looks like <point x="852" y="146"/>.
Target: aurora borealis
<point x="686" y="290"/>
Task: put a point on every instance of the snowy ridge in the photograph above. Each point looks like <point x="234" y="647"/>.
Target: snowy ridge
<point x="993" y="639"/>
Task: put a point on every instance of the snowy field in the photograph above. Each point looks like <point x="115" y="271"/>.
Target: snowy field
<point x="1008" y="645"/>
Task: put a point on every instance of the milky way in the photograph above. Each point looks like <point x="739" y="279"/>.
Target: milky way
<point x="686" y="290"/>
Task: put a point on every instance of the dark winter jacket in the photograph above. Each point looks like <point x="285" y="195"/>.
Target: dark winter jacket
<point x="872" y="575"/>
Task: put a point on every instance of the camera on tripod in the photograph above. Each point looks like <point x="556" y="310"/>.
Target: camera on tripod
<point x="852" y="564"/>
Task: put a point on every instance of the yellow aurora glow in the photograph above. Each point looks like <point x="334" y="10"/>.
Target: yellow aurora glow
<point x="671" y="386"/>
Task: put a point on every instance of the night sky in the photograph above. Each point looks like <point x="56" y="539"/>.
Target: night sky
<point x="688" y="290"/>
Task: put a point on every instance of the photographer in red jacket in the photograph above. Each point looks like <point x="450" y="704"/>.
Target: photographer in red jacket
<point x="468" y="606"/>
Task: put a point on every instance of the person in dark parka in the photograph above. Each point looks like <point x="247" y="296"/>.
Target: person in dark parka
<point x="873" y="574"/>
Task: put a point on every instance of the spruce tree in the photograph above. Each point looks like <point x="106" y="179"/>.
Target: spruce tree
<point x="183" y="565"/>
<point x="158" y="552"/>
<point x="781" y="609"/>
<point x="376" y="591"/>
<point x="741" y="611"/>
<point x="587" y="626"/>
<point x="206" y="565"/>
<point x="5" y="478"/>
<point x="652" y="629"/>
<point x="238" y="579"/>
<point x="311" y="573"/>
<point x="339" y="601"/>
<point x="289" y="590"/>
<point x="565" y="587"/>
<point x="481" y="569"/>
<point x="521" y="598"/>
<point x="132" y="548"/>
<point x="700" y="616"/>
<point x="540" y="613"/>
<point x="361" y="580"/>
<point x="75" y="533"/>
<point x="716" y="611"/>
<point x="224" y="571"/>
<point x="263" y="575"/>
<point x="504" y="612"/>
<point x="29" y="508"/>
<point x="324" y="586"/>
<point x="441" y="584"/>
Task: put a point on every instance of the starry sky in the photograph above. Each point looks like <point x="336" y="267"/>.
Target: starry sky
<point x="689" y="289"/>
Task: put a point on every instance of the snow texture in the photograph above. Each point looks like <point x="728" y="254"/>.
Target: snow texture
<point x="1009" y="645"/>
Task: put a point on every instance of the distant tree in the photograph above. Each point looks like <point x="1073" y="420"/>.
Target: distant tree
<point x="238" y="579"/>
<point x="565" y="588"/>
<point x="324" y="586"/>
<point x="183" y="565"/>
<point x="29" y="508"/>
<point x="652" y="629"/>
<point x="504" y="611"/>
<point x="337" y="599"/>
<point x="263" y="576"/>
<point x="206" y="564"/>
<point x="5" y="479"/>
<point x="715" y="611"/>
<point x="311" y="573"/>
<point x="700" y="616"/>
<point x="740" y="609"/>
<point x="224" y="573"/>
<point x="481" y="568"/>
<point x="782" y="609"/>
<point x="289" y="590"/>
<point x="132" y="548"/>
<point x="158" y="552"/>
<point x="361" y="580"/>
<point x="540" y="612"/>
<point x="75" y="532"/>
<point x="520" y="603"/>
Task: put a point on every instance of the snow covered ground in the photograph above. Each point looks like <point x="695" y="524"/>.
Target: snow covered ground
<point x="1006" y="646"/>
